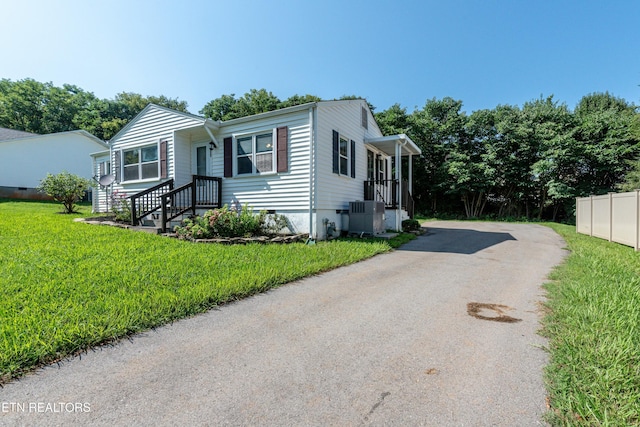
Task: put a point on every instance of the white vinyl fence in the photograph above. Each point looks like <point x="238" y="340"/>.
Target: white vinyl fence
<point x="613" y="216"/>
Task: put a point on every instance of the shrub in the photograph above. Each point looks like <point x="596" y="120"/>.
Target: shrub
<point x="229" y="222"/>
<point x="120" y="206"/>
<point x="410" y="225"/>
<point x="66" y="188"/>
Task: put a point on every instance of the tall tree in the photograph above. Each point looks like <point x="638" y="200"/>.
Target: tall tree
<point x="394" y="120"/>
<point x="44" y="108"/>
<point x="469" y="164"/>
<point x="220" y="108"/>
<point x="438" y="125"/>
<point x="632" y="178"/>
<point x="552" y="173"/>
<point x="608" y="132"/>
<point x="227" y="107"/>
<point x="298" y="100"/>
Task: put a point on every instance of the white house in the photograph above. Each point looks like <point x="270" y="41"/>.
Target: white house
<point x="26" y="158"/>
<point x="307" y="162"/>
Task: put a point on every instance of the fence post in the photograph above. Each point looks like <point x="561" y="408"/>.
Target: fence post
<point x="591" y="215"/>
<point x="637" y="248"/>
<point x="577" y="214"/>
<point x="610" y="216"/>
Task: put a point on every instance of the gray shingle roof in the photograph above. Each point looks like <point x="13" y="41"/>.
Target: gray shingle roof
<point x="7" y="134"/>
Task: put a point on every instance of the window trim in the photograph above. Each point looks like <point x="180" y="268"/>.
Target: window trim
<point x="338" y="157"/>
<point x="254" y="138"/>
<point x="139" y="149"/>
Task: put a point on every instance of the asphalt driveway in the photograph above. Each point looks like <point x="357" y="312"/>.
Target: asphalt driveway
<point x="387" y="341"/>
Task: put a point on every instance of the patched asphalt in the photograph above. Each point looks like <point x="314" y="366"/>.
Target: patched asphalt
<point x="405" y="338"/>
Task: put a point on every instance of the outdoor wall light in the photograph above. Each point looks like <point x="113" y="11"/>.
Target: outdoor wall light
<point x="212" y="145"/>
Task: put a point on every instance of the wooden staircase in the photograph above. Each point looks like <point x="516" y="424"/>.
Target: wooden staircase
<point x="203" y="192"/>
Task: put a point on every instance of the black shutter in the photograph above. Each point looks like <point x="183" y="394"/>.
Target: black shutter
<point x="228" y="157"/>
<point x="336" y="152"/>
<point x="117" y="161"/>
<point x="163" y="159"/>
<point x="282" y="160"/>
<point x="353" y="159"/>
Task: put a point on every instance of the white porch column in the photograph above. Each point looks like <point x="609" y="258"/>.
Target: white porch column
<point x="398" y="200"/>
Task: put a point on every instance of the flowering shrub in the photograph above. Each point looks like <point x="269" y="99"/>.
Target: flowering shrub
<point x="227" y="222"/>
<point x="120" y="206"/>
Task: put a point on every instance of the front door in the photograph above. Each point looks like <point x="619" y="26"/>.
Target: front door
<point x="201" y="160"/>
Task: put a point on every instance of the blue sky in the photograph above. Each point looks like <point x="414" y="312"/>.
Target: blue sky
<point x="484" y="52"/>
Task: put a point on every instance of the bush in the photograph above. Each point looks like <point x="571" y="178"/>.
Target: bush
<point x="66" y="188"/>
<point x="226" y="222"/>
<point x="120" y="206"/>
<point x="410" y="225"/>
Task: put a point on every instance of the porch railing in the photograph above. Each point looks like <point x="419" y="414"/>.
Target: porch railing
<point x="148" y="201"/>
<point x="387" y="191"/>
<point x="204" y="192"/>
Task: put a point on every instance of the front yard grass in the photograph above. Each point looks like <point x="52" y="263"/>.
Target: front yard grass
<point x="68" y="286"/>
<point x="593" y="327"/>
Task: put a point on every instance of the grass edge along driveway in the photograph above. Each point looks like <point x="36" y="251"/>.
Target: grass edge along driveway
<point x="69" y="286"/>
<point x="593" y="327"/>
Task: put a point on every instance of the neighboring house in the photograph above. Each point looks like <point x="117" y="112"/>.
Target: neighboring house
<point x="26" y="158"/>
<point x="306" y="162"/>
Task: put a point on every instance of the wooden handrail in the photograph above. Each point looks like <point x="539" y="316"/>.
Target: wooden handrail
<point x="202" y="192"/>
<point x="146" y="201"/>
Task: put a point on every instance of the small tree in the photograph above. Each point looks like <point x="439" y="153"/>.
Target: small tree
<point x="66" y="188"/>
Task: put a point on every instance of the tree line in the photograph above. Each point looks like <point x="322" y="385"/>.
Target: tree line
<point x="510" y="161"/>
<point x="526" y="162"/>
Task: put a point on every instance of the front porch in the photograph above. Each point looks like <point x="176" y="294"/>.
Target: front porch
<point x="395" y="193"/>
<point x="387" y="191"/>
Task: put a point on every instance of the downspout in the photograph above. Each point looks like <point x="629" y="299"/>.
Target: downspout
<point x="213" y="138"/>
<point x="312" y="150"/>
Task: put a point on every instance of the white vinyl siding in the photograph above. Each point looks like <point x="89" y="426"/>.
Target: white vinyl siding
<point x="153" y="125"/>
<point x="26" y="161"/>
<point x="286" y="191"/>
<point x="335" y="191"/>
<point x="101" y="166"/>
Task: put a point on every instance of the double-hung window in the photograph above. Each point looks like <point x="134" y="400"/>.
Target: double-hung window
<point x="344" y="155"/>
<point x="141" y="163"/>
<point x="254" y="153"/>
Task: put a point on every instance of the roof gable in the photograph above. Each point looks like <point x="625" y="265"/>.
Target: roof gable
<point x="35" y="136"/>
<point x="8" y="134"/>
<point x="154" y="108"/>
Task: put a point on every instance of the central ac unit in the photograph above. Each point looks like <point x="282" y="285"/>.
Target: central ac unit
<point x="366" y="217"/>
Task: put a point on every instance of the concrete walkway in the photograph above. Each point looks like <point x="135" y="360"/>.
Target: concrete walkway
<point x="387" y="341"/>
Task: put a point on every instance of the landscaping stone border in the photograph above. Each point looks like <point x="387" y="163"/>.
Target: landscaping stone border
<point x="282" y="239"/>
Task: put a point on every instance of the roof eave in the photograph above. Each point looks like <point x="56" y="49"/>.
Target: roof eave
<point x="407" y="145"/>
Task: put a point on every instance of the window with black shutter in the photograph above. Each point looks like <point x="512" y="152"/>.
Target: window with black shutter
<point x="344" y="155"/>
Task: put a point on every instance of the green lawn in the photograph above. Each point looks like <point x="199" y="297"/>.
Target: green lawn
<point x="593" y="326"/>
<point x="67" y="286"/>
